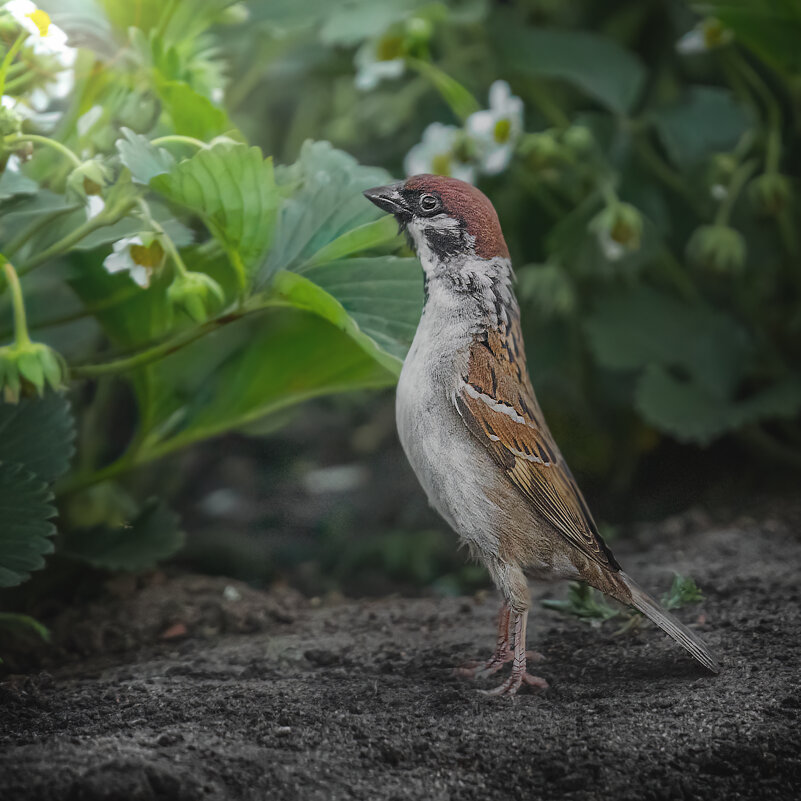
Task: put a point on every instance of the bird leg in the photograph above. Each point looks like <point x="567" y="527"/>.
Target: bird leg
<point x="519" y="674"/>
<point x="503" y="650"/>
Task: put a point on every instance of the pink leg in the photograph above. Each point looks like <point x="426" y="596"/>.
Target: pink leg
<point x="519" y="673"/>
<point x="503" y="651"/>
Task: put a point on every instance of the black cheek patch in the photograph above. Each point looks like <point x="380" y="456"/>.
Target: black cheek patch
<point x="444" y="243"/>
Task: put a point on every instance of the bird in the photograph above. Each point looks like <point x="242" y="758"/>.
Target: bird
<point x="474" y="434"/>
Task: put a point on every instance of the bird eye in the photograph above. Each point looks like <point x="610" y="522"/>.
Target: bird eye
<point x="428" y="203"/>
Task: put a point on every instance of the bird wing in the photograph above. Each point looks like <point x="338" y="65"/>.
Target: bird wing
<point x="497" y="403"/>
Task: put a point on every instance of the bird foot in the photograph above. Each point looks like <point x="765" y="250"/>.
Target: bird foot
<point x="479" y="669"/>
<point x="515" y="682"/>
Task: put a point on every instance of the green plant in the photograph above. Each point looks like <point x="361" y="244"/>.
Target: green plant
<point x="226" y="289"/>
<point x="589" y="605"/>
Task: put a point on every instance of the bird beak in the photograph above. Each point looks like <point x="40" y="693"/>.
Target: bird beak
<point x="388" y="198"/>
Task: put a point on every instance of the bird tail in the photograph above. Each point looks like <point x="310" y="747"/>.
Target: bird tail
<point x="677" y="630"/>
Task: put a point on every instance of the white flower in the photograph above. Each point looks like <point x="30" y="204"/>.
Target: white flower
<point x="706" y="35"/>
<point x="45" y="37"/>
<point x="497" y="129"/>
<point x="379" y="59"/>
<point x="444" y="150"/>
<point x="94" y="205"/>
<point x="48" y="40"/>
<point x="132" y="255"/>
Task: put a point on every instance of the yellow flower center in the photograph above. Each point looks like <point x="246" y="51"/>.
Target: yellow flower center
<point x="503" y="129"/>
<point x="441" y="164"/>
<point x="41" y="20"/>
<point x="389" y="48"/>
<point x="149" y="256"/>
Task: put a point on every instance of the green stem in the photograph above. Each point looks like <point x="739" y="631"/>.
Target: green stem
<point x="678" y="277"/>
<point x="461" y="101"/>
<point x="738" y="181"/>
<point x="15" y="244"/>
<point x="178" y="139"/>
<point x="169" y="245"/>
<point x="44" y="140"/>
<point x="665" y="173"/>
<point x="175" y="343"/>
<point x="72" y="238"/>
<point x="9" y="57"/>
<point x="773" y="145"/>
<point x="18" y="304"/>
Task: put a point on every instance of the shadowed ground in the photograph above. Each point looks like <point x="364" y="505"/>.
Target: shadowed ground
<point x="356" y="700"/>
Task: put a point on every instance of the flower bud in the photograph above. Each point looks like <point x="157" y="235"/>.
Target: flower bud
<point x="618" y="228"/>
<point x="197" y="294"/>
<point x="578" y="139"/>
<point x="27" y="367"/>
<point x="770" y="193"/>
<point x="139" y="112"/>
<point x="10" y="121"/>
<point x="718" y="248"/>
<point x="539" y="149"/>
<point x="88" y="179"/>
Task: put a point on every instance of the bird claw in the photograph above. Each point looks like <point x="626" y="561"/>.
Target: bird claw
<point x="479" y="669"/>
<point x="514" y="682"/>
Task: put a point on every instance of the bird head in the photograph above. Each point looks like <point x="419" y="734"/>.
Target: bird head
<point x="447" y="220"/>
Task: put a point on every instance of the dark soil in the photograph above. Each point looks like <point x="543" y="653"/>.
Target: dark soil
<point x="244" y="695"/>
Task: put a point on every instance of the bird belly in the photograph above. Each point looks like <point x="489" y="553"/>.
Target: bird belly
<point x="464" y="483"/>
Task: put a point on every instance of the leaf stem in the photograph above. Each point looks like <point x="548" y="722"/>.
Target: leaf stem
<point x="178" y="139"/>
<point x="21" y="336"/>
<point x="171" y="345"/>
<point x="9" y="57"/>
<point x="65" y="243"/>
<point x="738" y="181"/>
<point x="44" y="140"/>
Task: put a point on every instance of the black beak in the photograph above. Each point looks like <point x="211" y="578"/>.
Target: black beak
<point x="390" y="199"/>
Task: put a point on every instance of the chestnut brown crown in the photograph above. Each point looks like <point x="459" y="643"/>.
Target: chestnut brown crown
<point x="422" y="196"/>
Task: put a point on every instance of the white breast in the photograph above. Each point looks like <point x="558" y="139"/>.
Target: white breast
<point x="450" y="465"/>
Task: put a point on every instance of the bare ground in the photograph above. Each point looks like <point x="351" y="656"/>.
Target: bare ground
<point x="175" y="691"/>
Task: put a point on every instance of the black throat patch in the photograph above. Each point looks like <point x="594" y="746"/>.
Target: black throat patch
<point x="445" y="243"/>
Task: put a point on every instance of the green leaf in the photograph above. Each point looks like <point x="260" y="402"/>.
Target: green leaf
<point x="326" y="202"/>
<point x="383" y="297"/>
<point x="691" y="413"/>
<point x="131" y="226"/>
<point x="370" y="235"/>
<point x="584" y="603"/>
<point x="152" y="536"/>
<point x="232" y="188"/>
<point x="630" y="329"/>
<point x="15" y="183"/>
<point x="13" y="621"/>
<point x="682" y="591"/>
<point x="38" y="433"/>
<point x="708" y="120"/>
<point x="192" y="114"/>
<point x="461" y="102"/>
<point x="25" y="512"/>
<point x="771" y="28"/>
<point x="144" y="160"/>
<point x="594" y="64"/>
<point x="250" y="369"/>
<point x="350" y="23"/>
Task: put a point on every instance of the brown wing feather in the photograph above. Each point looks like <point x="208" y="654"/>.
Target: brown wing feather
<point x="498" y="405"/>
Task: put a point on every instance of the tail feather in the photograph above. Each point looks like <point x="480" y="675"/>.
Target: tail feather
<point x="677" y="630"/>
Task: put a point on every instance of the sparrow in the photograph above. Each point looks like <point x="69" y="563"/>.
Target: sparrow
<point x="473" y="431"/>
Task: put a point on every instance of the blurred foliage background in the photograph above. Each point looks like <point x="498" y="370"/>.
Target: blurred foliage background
<point x="641" y="154"/>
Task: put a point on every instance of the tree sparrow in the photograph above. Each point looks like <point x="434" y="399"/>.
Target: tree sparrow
<point x="472" y="429"/>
